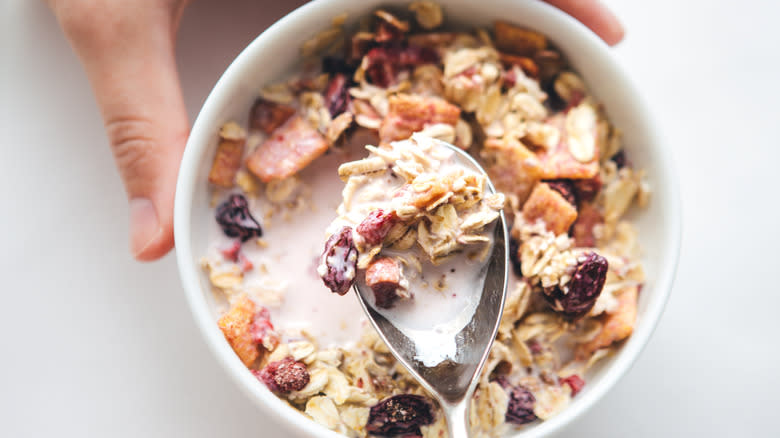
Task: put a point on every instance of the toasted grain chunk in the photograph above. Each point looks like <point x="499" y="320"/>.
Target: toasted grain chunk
<point x="558" y="162"/>
<point x="385" y="278"/>
<point x="617" y="325"/>
<point x="267" y="116"/>
<point x="527" y="64"/>
<point x="289" y="149"/>
<point x="551" y="207"/>
<point x="516" y="40"/>
<point x="408" y="114"/>
<point x="236" y="325"/>
<point x="512" y="167"/>
<point x="227" y="160"/>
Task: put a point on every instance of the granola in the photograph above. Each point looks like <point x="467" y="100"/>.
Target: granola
<point x="508" y="97"/>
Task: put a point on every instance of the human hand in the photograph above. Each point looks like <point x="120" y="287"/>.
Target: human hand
<point x="127" y="49"/>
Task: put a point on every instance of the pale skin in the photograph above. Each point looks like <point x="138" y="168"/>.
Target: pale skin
<point x="119" y="42"/>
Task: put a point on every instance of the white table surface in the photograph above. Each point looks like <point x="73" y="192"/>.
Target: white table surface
<point x="95" y="344"/>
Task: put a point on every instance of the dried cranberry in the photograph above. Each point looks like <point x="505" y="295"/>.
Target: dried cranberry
<point x="236" y="221"/>
<point x="514" y="256"/>
<point x="520" y="409"/>
<point x="400" y="414"/>
<point x="333" y="65"/>
<point x="284" y="376"/>
<point x="575" y="383"/>
<point x="385" y="61"/>
<point x="620" y="159"/>
<point x="554" y="101"/>
<point x="339" y="261"/>
<point x="376" y="225"/>
<point x="565" y="187"/>
<point x="582" y="290"/>
<point x="587" y="189"/>
<point x="337" y="95"/>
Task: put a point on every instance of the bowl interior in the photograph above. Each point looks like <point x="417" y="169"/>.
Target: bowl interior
<point x="275" y="53"/>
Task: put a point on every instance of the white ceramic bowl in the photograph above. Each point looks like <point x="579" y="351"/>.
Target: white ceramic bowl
<point x="275" y="52"/>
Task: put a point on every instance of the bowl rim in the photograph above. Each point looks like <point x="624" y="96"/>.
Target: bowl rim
<point x="189" y="271"/>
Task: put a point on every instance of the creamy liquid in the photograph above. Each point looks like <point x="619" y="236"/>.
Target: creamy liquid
<point x="290" y="260"/>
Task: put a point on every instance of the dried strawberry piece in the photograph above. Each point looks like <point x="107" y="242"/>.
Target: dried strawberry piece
<point x="339" y="261"/>
<point x="337" y="95"/>
<point x="565" y="187"/>
<point x="262" y="330"/>
<point x="267" y="116"/>
<point x="583" y="289"/>
<point x="400" y="414"/>
<point x="284" y="376"/>
<point x="232" y="251"/>
<point x="244" y="262"/>
<point x="376" y="225"/>
<point x="234" y="218"/>
<point x="575" y="383"/>
<point x="520" y="409"/>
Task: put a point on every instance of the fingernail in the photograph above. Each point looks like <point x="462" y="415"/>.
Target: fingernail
<point x="144" y="225"/>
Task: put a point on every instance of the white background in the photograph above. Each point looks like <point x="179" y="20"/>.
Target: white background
<point x="95" y="344"/>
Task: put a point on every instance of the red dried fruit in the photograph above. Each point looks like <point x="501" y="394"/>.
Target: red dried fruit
<point x="262" y="330"/>
<point x="235" y="219"/>
<point x="384" y="62"/>
<point x="520" y="409"/>
<point x="284" y="376"/>
<point x="587" y="189"/>
<point x="400" y="414"/>
<point x="376" y="225"/>
<point x="582" y="290"/>
<point x="334" y="65"/>
<point x="231" y="252"/>
<point x="337" y="95"/>
<point x="565" y="187"/>
<point x="267" y="116"/>
<point x="575" y="383"/>
<point x="620" y="159"/>
<point x="244" y="262"/>
<point x="339" y="261"/>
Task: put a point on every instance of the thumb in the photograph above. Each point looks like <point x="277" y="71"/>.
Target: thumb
<point x="128" y="53"/>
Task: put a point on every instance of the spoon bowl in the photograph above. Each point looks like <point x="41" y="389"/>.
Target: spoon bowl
<point x="452" y="381"/>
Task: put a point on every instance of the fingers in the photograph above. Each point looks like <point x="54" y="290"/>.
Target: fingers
<point x="127" y="49"/>
<point x="595" y="16"/>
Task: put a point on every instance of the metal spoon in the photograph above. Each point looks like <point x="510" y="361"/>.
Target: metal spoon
<point x="453" y="382"/>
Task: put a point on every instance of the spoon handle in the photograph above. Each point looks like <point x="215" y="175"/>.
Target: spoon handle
<point x="457" y="420"/>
